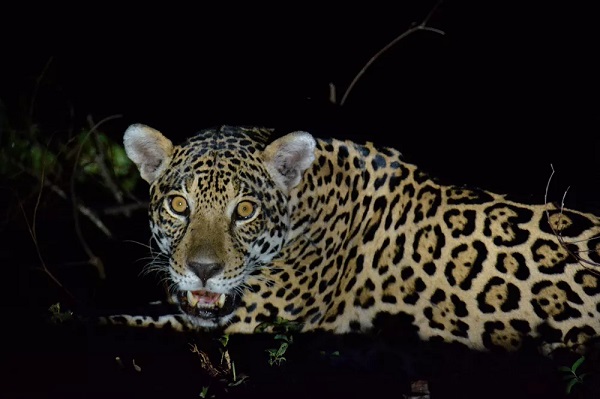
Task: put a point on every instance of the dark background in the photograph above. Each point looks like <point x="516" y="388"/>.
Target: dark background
<point x="511" y="88"/>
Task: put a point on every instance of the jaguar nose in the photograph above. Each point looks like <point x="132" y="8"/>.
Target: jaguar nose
<point x="205" y="270"/>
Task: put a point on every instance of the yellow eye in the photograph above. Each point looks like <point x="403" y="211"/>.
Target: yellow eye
<point x="245" y="210"/>
<point x="178" y="204"/>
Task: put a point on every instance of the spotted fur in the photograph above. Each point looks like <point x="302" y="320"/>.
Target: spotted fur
<point x="342" y="234"/>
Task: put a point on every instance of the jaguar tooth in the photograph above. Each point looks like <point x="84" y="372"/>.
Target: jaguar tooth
<point x="192" y="300"/>
<point x="221" y="301"/>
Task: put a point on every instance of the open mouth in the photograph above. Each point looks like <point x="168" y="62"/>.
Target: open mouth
<point x="206" y="305"/>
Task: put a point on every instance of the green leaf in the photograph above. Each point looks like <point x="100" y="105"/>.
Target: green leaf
<point x="204" y="392"/>
<point x="261" y="327"/>
<point x="577" y="364"/>
<point x="224" y="339"/>
<point x="282" y="348"/>
<point x="282" y="337"/>
<point x="565" y="369"/>
<point x="570" y="385"/>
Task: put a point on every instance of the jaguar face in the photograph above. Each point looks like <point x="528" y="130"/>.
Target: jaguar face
<point x="218" y="210"/>
<point x="210" y="218"/>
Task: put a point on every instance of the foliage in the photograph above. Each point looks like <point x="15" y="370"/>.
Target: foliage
<point x="58" y="316"/>
<point x="283" y="330"/>
<point x="571" y="377"/>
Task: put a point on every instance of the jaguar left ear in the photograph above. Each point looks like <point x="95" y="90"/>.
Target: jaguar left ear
<point x="288" y="157"/>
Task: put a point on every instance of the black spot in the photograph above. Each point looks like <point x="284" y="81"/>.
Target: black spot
<point x="549" y="334"/>
<point x="518" y="236"/>
<point x="461" y="329"/>
<point x="322" y="286"/>
<point x="458" y="230"/>
<point x="342" y="155"/>
<point x="359" y="263"/>
<point x="576" y="223"/>
<point x="387" y="282"/>
<point x="388" y="299"/>
<point x="427" y="210"/>
<point x="594" y="282"/>
<point x="400" y="242"/>
<point x="438" y="296"/>
<point x="350" y="284"/>
<point x="379" y="251"/>
<point x="251" y="308"/>
<point x="394" y="182"/>
<point x="571" y="295"/>
<point x="380" y="204"/>
<point x="521" y="326"/>
<point x="460" y="307"/>
<point x="557" y="264"/>
<point x="391" y="212"/>
<point x="378" y="162"/>
<point x="522" y="272"/>
<point x="295" y="292"/>
<point x="354" y="325"/>
<point x="459" y="196"/>
<point x="578" y="335"/>
<point x="429" y="268"/>
<point x="428" y="312"/>
<point x="266" y="294"/>
<point x="341" y="307"/>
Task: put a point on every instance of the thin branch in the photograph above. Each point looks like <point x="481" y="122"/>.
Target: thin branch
<point x="584" y="262"/>
<point x="31" y="227"/>
<point x="104" y="169"/>
<point x="38" y="81"/>
<point x="84" y="210"/>
<point x="420" y="27"/>
<point x="94" y="260"/>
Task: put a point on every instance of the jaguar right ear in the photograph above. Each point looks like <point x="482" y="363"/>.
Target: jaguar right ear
<point x="288" y="157"/>
<point x="148" y="149"/>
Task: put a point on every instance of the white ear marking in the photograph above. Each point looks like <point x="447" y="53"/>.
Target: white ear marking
<point x="148" y="149"/>
<point x="288" y="157"/>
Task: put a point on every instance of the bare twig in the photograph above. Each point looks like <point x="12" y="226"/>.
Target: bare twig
<point x="84" y="210"/>
<point x="584" y="262"/>
<point x="420" y="27"/>
<point x="38" y="81"/>
<point x="31" y="227"/>
<point x="104" y="169"/>
<point x="94" y="260"/>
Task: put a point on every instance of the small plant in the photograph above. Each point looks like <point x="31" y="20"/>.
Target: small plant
<point x="283" y="330"/>
<point x="204" y="393"/>
<point x="57" y="316"/>
<point x="276" y="355"/>
<point x="571" y="374"/>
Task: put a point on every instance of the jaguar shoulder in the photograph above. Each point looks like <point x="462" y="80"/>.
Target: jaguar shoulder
<point x="337" y="235"/>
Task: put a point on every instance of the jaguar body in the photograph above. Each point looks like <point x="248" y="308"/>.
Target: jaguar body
<point x="334" y="235"/>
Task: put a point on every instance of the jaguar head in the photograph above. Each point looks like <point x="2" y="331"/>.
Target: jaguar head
<point x="218" y="209"/>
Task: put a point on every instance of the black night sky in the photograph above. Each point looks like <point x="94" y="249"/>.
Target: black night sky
<point x="510" y="88"/>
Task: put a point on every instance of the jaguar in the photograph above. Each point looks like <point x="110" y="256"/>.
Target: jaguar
<point x="336" y="235"/>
